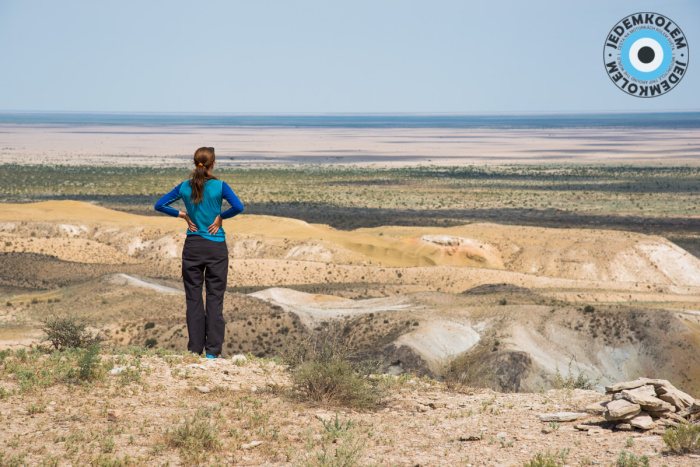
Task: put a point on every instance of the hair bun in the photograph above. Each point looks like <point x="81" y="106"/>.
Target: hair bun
<point x="201" y="164"/>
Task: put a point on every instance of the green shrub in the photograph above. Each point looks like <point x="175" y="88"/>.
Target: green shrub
<point x="150" y="325"/>
<point x="630" y="460"/>
<point x="68" y="332"/>
<point x="588" y="309"/>
<point x="151" y="342"/>
<point x="684" y="439"/>
<point x="89" y="363"/>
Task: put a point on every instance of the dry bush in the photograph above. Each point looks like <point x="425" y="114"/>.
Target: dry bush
<point x="467" y="370"/>
<point x="323" y="369"/>
<point x="66" y="332"/>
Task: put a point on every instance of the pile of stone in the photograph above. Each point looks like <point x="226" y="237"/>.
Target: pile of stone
<point x="644" y="402"/>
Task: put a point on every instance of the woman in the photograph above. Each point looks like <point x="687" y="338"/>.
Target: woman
<point x="205" y="254"/>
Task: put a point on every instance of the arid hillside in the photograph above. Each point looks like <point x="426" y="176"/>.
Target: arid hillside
<point x="530" y="301"/>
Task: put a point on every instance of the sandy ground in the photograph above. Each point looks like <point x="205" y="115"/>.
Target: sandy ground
<point x="419" y="423"/>
<point x="173" y="145"/>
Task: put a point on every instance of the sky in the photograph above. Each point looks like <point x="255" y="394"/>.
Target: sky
<point x="355" y="56"/>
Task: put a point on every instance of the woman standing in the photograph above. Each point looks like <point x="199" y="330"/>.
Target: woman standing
<point x="205" y="254"/>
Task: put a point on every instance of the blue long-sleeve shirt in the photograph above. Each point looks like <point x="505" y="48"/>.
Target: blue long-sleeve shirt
<point x="204" y="213"/>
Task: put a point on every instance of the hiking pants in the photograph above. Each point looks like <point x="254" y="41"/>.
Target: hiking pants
<point x="205" y="260"/>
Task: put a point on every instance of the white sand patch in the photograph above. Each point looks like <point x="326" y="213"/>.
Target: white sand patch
<point x="314" y="308"/>
<point x="440" y="339"/>
<point x="559" y="349"/>
<point x="72" y="230"/>
<point x="125" y="279"/>
<point x="7" y="226"/>
<point x="310" y="253"/>
<point x="679" y="266"/>
<point x="136" y="244"/>
<point x="166" y="247"/>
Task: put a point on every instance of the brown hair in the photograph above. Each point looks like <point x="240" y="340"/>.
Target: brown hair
<point x="203" y="161"/>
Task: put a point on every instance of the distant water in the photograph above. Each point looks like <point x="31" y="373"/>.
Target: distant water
<point x="667" y="120"/>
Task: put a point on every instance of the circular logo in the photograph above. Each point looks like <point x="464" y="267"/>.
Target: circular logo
<point x="646" y="54"/>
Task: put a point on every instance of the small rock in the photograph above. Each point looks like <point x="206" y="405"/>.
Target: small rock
<point x="616" y="410"/>
<point x="562" y="417"/>
<point x="203" y="389"/>
<point x="114" y="414"/>
<point x="117" y="370"/>
<point x="421" y="408"/>
<point x="437" y="405"/>
<point x="584" y="427"/>
<point x="252" y="444"/>
<point x="642" y="421"/>
<point x="547" y="430"/>
<point x="597" y="431"/>
<point x="471" y="437"/>
<point x="624" y="427"/>
<point x="502" y="435"/>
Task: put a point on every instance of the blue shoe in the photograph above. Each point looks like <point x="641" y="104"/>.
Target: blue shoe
<point x="214" y="356"/>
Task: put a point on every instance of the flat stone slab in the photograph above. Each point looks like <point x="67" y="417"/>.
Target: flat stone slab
<point x="597" y="409"/>
<point x="617" y="387"/>
<point x="563" y="416"/>
<point x="642" y="421"/>
<point x="647" y="402"/>
<point x="675" y="397"/>
<point x="622" y="408"/>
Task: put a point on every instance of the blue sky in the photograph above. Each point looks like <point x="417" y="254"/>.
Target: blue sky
<point x="295" y="56"/>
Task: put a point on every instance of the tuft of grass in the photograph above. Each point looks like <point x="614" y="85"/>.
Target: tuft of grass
<point x="195" y="437"/>
<point x="547" y="459"/>
<point x="572" y="380"/>
<point x="335" y="428"/>
<point x="683" y="439"/>
<point x="630" y="460"/>
<point x="346" y="453"/>
<point x="151" y="342"/>
<point x="65" y="332"/>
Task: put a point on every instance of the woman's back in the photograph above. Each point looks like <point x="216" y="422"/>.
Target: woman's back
<point x="204" y="212"/>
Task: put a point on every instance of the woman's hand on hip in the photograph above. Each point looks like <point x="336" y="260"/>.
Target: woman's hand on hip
<point x="191" y="226"/>
<point x="214" y="227"/>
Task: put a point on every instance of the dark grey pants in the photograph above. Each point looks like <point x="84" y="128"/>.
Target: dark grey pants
<point x="206" y="261"/>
